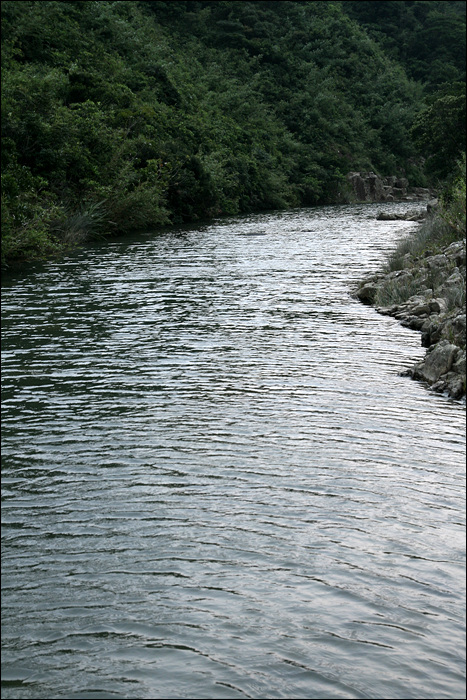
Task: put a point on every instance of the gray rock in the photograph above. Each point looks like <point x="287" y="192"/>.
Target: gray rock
<point x="435" y="261"/>
<point x="437" y="310"/>
<point x="400" y="216"/>
<point x="367" y="293"/>
<point x="452" y="383"/>
<point x="437" y="305"/>
<point x="402" y="182"/>
<point x="370" y="187"/>
<point x="415" y="299"/>
<point x="438" y="361"/>
<point x="414" y="323"/>
<point x="454" y="280"/>
<point x="456" y="387"/>
<point x="421" y="309"/>
<point x="422" y="191"/>
<point x="459" y="365"/>
<point x="456" y="253"/>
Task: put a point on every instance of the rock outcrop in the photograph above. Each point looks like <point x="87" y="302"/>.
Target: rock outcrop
<point x="398" y="216"/>
<point x="432" y="289"/>
<point x="370" y="187"/>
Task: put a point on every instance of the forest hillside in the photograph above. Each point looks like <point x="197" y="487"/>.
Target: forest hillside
<point x="119" y="116"/>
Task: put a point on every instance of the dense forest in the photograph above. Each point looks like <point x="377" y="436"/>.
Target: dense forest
<point x="126" y="115"/>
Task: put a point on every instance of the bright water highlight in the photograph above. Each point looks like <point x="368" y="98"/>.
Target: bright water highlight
<point x="216" y="484"/>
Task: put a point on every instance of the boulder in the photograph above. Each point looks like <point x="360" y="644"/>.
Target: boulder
<point x="358" y="186"/>
<point x="367" y="293"/>
<point x="421" y="309"/>
<point x="421" y="192"/>
<point x="437" y="305"/>
<point x="402" y="183"/>
<point x="459" y="365"/>
<point x="436" y="261"/>
<point x="438" y="361"/>
<point x="456" y="253"/>
<point x="374" y="187"/>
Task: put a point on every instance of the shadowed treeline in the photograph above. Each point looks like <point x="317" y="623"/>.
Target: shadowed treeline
<point x="119" y="116"/>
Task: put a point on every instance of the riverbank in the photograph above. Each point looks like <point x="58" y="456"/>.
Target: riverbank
<point x="423" y="287"/>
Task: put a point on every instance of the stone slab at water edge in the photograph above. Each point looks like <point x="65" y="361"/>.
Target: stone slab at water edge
<point x="428" y="295"/>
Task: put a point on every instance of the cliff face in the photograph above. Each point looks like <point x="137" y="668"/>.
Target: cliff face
<point x="370" y="187"/>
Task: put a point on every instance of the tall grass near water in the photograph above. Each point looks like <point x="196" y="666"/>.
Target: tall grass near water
<point x="445" y="225"/>
<point x="408" y="275"/>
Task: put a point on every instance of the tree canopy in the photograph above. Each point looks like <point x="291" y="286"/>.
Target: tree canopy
<point x="125" y="115"/>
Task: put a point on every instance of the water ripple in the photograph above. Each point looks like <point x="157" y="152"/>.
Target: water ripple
<point x="215" y="481"/>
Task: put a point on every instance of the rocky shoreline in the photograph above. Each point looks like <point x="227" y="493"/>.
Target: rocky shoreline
<point x="428" y="295"/>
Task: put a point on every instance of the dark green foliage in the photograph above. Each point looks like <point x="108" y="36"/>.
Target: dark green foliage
<point x="439" y="131"/>
<point x="121" y="115"/>
<point x="427" y="37"/>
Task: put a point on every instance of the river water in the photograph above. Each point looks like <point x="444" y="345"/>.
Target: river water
<point x="216" y="484"/>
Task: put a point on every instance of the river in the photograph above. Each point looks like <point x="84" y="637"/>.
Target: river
<point x="216" y="484"/>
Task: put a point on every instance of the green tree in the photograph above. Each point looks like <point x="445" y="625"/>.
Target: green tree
<point x="439" y="132"/>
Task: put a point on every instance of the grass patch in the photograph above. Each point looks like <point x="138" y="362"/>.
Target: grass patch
<point x="455" y="296"/>
<point x="75" y="227"/>
<point x="396" y="291"/>
<point x="430" y="238"/>
<point x="445" y="226"/>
